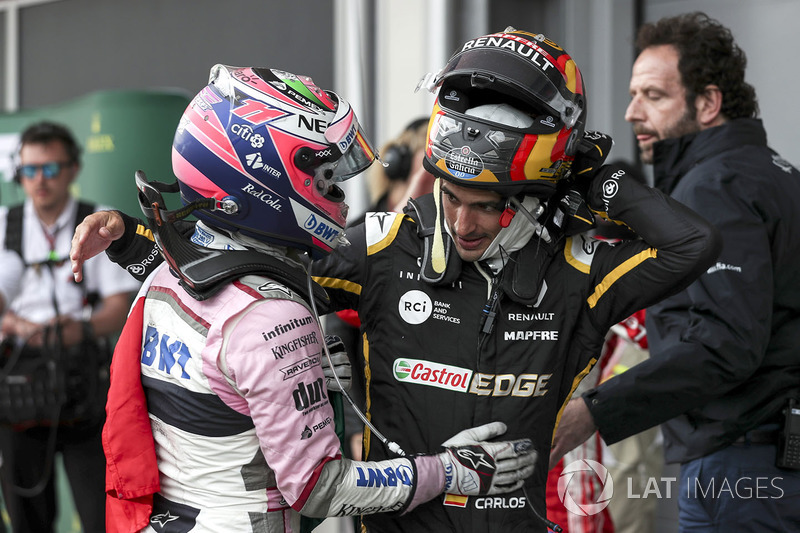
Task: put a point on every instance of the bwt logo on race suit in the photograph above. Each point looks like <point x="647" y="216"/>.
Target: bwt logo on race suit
<point x="158" y="347"/>
<point x="388" y="477"/>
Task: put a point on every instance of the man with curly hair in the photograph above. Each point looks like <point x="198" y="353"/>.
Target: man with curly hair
<point x="724" y="362"/>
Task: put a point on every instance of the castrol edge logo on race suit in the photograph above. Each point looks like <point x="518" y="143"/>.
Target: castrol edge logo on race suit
<point x="454" y="378"/>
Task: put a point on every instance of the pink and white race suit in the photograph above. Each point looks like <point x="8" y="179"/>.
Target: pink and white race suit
<point x="243" y="428"/>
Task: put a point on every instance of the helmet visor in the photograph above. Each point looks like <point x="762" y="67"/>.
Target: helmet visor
<point x="344" y="131"/>
<point x="528" y="81"/>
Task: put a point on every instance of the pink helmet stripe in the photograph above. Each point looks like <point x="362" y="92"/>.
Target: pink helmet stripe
<point x="210" y="134"/>
<point x="194" y="178"/>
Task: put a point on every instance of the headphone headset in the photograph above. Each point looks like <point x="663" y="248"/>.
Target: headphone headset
<point x="397" y="156"/>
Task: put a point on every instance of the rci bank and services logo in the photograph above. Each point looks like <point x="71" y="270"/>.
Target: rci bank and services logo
<point x="576" y="473"/>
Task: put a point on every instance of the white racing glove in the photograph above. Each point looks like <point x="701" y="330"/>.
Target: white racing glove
<point x="341" y="364"/>
<point x="473" y="466"/>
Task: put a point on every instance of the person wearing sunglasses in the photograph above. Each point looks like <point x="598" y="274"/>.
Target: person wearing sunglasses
<point x="50" y="315"/>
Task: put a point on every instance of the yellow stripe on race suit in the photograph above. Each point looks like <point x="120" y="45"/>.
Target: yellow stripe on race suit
<point x="575" y="256"/>
<point x="336" y="283"/>
<point x="618" y="272"/>
<point x="144" y="232"/>
<point x="575" y="383"/>
<point x="368" y="403"/>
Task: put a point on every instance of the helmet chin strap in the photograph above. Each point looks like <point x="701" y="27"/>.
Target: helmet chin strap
<point x="518" y="231"/>
<point x="438" y="259"/>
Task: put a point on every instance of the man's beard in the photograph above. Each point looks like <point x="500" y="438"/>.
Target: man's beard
<point x="685" y="125"/>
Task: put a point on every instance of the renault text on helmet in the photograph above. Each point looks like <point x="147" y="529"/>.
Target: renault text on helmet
<point x="509" y="114"/>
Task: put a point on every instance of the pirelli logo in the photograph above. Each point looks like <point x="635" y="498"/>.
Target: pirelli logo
<point x="428" y="373"/>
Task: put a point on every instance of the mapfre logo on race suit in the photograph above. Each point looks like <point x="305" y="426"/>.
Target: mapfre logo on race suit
<point x="432" y="374"/>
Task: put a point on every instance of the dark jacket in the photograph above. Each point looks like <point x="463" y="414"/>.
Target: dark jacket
<point x="725" y="353"/>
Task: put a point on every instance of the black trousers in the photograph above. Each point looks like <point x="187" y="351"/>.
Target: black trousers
<point x="27" y="460"/>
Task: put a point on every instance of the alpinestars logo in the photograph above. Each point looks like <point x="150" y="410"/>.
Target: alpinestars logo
<point x="475" y="460"/>
<point x="163" y="518"/>
<point x="254" y="160"/>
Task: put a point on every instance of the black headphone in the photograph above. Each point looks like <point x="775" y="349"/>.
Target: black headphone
<point x="397" y="157"/>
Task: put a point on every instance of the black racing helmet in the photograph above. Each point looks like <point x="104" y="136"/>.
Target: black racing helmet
<point x="509" y="114"/>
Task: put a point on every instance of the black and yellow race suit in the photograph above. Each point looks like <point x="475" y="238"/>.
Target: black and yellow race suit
<point x="470" y="348"/>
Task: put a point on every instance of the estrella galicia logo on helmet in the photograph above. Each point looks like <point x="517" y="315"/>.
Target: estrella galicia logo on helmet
<point x="463" y="163"/>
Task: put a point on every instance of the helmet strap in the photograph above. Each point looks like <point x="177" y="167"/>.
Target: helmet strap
<point x="438" y="259"/>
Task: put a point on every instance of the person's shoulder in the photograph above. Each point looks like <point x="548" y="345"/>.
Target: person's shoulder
<point x="381" y="228"/>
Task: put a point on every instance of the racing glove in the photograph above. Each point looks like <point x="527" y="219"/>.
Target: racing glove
<point x="341" y="365"/>
<point x="572" y="215"/>
<point x="593" y="150"/>
<point x="473" y="466"/>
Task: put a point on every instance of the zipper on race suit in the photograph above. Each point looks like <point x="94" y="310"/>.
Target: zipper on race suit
<point x="490" y="308"/>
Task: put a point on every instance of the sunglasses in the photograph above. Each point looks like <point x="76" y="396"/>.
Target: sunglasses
<point x="49" y="170"/>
